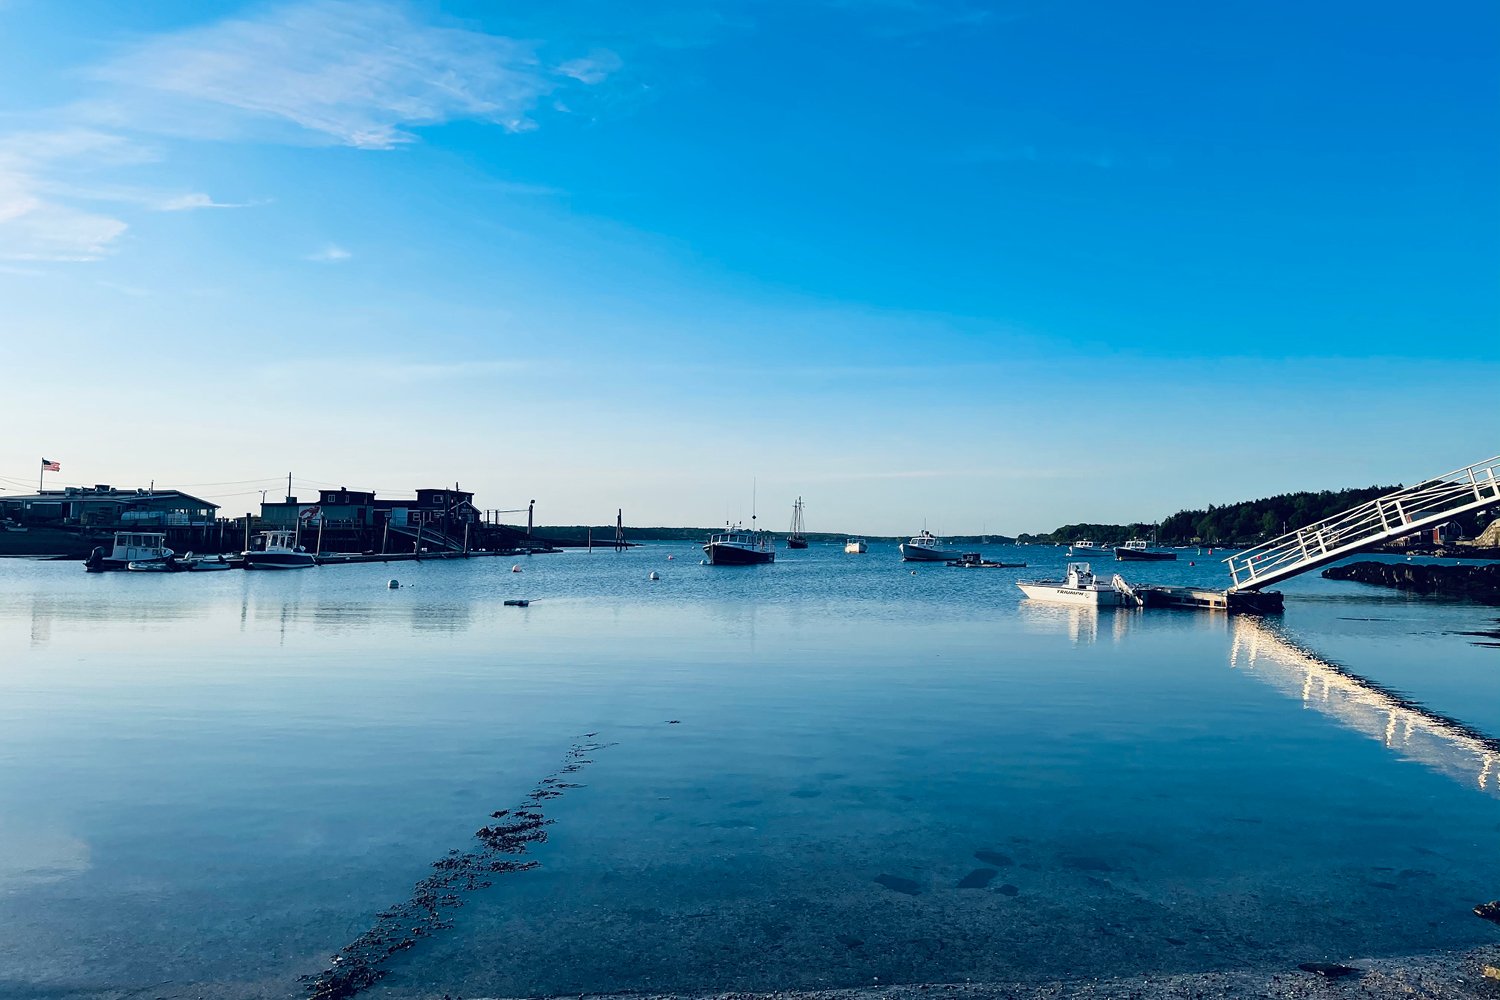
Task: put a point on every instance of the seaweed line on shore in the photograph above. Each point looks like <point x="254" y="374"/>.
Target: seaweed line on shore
<point x="360" y="964"/>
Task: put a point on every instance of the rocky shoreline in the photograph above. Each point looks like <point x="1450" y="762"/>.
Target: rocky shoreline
<point x="1475" y="583"/>
<point x="1447" y="976"/>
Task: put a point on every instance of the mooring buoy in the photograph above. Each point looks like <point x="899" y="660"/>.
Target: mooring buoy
<point x="516" y="568"/>
<point x="654" y="575"/>
<point x="393" y="585"/>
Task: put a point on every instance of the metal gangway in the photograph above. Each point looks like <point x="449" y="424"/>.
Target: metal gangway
<point x="1424" y="505"/>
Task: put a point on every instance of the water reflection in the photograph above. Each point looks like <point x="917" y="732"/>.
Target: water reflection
<point x="1413" y="732"/>
<point x="1082" y="624"/>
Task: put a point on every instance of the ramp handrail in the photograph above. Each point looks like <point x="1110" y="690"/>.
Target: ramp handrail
<point x="1408" y="510"/>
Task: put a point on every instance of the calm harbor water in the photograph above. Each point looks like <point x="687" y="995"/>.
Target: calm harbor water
<point x="823" y="772"/>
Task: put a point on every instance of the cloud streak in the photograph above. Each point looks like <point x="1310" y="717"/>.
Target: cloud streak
<point x="330" y="254"/>
<point x="354" y="74"/>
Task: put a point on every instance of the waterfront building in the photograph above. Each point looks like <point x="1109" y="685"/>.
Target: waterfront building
<point x="104" y="507"/>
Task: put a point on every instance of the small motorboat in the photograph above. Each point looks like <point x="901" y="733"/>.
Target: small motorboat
<point x="1139" y="550"/>
<point x="738" y="546"/>
<point x="926" y="547"/>
<point x="974" y="560"/>
<point x="855" y="546"/>
<point x="167" y="565"/>
<point x="1081" y="587"/>
<point x="200" y="564"/>
<point x="278" y="550"/>
<point x="130" y="546"/>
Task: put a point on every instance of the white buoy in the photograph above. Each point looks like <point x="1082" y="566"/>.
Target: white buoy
<point x="393" y="584"/>
<point x="516" y="568"/>
<point x="654" y="575"/>
<point x="913" y="572"/>
<point x="670" y="558"/>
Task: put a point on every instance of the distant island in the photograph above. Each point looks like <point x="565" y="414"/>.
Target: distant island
<point x="604" y="535"/>
<point x="1243" y="523"/>
<point x="1248" y="522"/>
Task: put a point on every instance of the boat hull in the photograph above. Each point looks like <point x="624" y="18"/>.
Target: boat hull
<point x="279" y="560"/>
<point x="855" y="548"/>
<point x="1143" y="555"/>
<point x="733" y="555"/>
<point x="1061" y="593"/>
<point x="917" y="553"/>
<point x="796" y="543"/>
<point x="1079" y="551"/>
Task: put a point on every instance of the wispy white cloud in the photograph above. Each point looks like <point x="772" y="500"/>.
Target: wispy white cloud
<point x="594" y="68"/>
<point x="34" y="223"/>
<point x="186" y="202"/>
<point x="338" y="71"/>
<point x="358" y="74"/>
<point x="330" y="254"/>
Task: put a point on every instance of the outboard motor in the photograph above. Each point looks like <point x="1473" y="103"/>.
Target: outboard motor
<point x="95" y="561"/>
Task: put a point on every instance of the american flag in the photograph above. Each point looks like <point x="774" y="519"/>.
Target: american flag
<point x="50" y="466"/>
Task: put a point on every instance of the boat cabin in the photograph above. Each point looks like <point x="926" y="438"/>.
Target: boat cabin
<point x="275" y="541"/>
<point x="1080" y="575"/>
<point x="139" y="546"/>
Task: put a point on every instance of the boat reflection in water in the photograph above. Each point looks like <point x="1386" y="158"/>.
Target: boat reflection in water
<point x="1411" y="731"/>
<point x="1079" y="621"/>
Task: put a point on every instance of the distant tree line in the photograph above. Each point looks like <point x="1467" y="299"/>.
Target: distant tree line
<point x="1243" y="523"/>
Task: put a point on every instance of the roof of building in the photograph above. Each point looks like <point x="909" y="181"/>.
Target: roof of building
<point x="75" y="494"/>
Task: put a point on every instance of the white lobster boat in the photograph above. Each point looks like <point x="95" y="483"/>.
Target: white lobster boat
<point x="926" y="547"/>
<point x="1081" y="588"/>
<point x="855" y="546"/>
<point x="278" y="550"/>
<point x="130" y="547"/>
<point x="1086" y="547"/>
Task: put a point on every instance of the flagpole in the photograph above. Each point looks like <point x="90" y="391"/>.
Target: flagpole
<point x="39" y="477"/>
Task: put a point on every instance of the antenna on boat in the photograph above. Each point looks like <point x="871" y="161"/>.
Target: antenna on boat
<point x="752" y="504"/>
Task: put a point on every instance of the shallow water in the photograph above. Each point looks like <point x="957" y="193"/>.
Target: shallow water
<point x="221" y="779"/>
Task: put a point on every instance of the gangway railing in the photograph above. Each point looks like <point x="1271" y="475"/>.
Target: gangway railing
<point x="1424" y="505"/>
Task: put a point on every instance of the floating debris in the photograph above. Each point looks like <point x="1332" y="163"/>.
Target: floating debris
<point x="518" y="602"/>
<point x="1489" y="911"/>
<point x="360" y="964"/>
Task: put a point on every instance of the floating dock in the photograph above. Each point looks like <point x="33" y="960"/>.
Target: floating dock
<point x="1208" y="599"/>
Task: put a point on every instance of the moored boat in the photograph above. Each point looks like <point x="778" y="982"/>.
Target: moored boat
<point x="976" y="560"/>
<point x="1080" y="587"/>
<point x="926" y="547"/>
<point x="129" y="546"/>
<point x="167" y="565"/>
<point x="1139" y="550"/>
<point x="198" y="564"/>
<point x="739" y="546"/>
<point x="278" y="550"/>
<point x="855" y="546"/>
<point x="796" y="539"/>
<point x="1086" y="547"/>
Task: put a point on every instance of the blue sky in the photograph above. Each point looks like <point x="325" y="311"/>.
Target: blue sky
<point x="983" y="266"/>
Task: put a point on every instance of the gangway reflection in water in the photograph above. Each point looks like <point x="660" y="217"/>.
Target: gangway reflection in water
<point x="1415" y="733"/>
<point x="1079" y="622"/>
